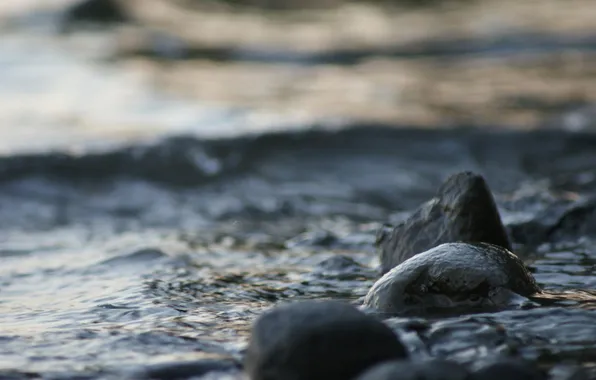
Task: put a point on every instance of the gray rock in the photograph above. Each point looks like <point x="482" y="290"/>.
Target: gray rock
<point x="453" y="275"/>
<point x="318" y="340"/>
<point x="463" y="210"/>
<point x="435" y="369"/>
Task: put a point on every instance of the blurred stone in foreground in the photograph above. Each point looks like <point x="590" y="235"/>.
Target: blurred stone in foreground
<point x="103" y="12"/>
<point x="434" y="369"/>
<point x="318" y="340"/>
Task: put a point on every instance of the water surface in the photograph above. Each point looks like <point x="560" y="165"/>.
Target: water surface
<point x="140" y="227"/>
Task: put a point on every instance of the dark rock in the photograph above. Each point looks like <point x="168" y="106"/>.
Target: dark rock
<point x="463" y="210"/>
<point x="435" y="369"/>
<point x="530" y="233"/>
<point x="509" y="369"/>
<point x="322" y="239"/>
<point x="342" y="267"/>
<point x="339" y="263"/>
<point x="185" y="370"/>
<point x="530" y="213"/>
<point x="560" y="220"/>
<point x="578" y="220"/>
<point x="314" y="340"/>
<point x="453" y="275"/>
<point x="95" y="11"/>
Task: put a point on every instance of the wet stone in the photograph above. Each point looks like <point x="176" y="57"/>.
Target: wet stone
<point x="318" y="340"/>
<point x="339" y="263"/>
<point x="462" y="210"/>
<point x="510" y="369"/>
<point x="323" y="239"/>
<point x="342" y="267"/>
<point x="556" y="222"/>
<point x="578" y="220"/>
<point x="531" y="215"/>
<point x="453" y="275"/>
<point x="94" y="11"/>
<point x="435" y="369"/>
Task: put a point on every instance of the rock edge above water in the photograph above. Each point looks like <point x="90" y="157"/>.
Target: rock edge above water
<point x="452" y="275"/>
<point x="462" y="210"/>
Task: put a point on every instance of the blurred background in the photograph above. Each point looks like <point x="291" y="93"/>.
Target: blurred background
<point x="104" y="70"/>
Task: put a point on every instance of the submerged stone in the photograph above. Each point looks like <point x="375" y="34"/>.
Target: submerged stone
<point x="463" y="210"/>
<point x="342" y="267"/>
<point x="453" y="275"/>
<point x="338" y="263"/>
<point x="435" y="369"/>
<point x="318" y="340"/>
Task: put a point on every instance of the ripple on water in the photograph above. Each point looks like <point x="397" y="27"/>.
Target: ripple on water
<point x="123" y="295"/>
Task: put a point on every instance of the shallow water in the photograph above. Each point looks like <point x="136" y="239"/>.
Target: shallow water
<point x="135" y="266"/>
<point x="137" y="238"/>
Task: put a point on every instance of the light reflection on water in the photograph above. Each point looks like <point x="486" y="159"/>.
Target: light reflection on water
<point x="57" y="93"/>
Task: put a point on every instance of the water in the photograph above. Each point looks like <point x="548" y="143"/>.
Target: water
<point x="153" y="234"/>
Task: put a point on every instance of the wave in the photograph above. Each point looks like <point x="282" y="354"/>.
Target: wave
<point x="170" y="48"/>
<point x="503" y="155"/>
